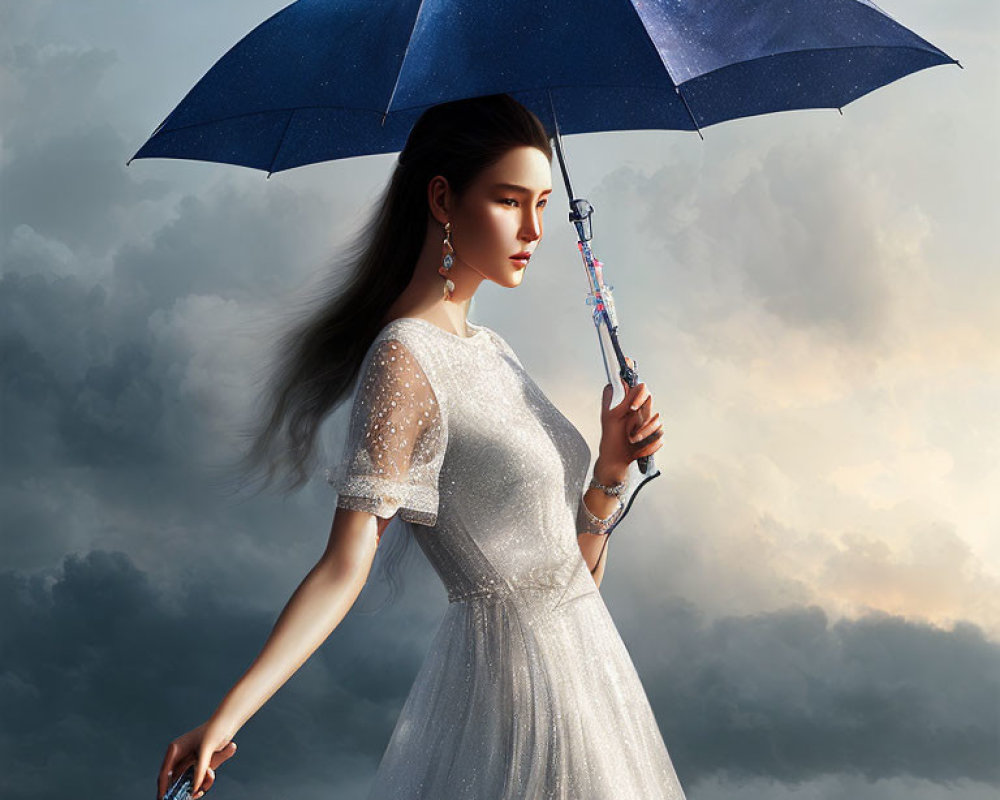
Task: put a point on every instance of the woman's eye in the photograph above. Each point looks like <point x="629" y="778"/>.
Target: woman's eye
<point x="542" y="203"/>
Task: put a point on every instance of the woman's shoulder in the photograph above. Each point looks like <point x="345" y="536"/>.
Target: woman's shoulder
<point x="501" y="343"/>
<point x="402" y="347"/>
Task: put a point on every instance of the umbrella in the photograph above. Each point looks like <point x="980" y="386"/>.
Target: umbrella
<point x="329" y="79"/>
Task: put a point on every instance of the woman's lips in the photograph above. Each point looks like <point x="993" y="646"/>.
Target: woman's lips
<point x="521" y="262"/>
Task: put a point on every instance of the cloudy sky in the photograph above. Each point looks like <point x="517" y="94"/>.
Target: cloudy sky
<point x="810" y="591"/>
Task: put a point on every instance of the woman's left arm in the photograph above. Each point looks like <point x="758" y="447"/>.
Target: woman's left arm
<point x="629" y="430"/>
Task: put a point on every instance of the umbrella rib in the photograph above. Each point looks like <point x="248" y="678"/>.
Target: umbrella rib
<point x="680" y="94"/>
<point x="824" y="49"/>
<point x="402" y="62"/>
<point x="666" y="66"/>
<point x="281" y="141"/>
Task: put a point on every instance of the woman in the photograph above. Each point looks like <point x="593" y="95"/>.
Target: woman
<point x="528" y="690"/>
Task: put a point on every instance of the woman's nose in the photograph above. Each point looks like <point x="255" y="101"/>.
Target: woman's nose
<point x="531" y="227"/>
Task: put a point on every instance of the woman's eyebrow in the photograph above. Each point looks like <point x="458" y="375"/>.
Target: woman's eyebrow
<point x="513" y="187"/>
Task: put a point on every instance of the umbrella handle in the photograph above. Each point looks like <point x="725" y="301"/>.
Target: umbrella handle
<point x="631" y="378"/>
<point x="580" y="212"/>
<point x="608" y="340"/>
<point x="606" y="325"/>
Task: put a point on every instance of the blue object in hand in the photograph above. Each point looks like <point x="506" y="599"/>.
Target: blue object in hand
<point x="181" y="788"/>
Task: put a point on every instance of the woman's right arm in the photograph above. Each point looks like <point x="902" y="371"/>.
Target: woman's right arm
<point x="316" y="607"/>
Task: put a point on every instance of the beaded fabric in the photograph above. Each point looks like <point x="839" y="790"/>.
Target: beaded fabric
<point x="527" y="690"/>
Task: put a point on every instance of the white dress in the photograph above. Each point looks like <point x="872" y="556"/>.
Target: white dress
<point x="527" y="691"/>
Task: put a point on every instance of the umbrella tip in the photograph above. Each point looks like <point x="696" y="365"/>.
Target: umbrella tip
<point x="959" y="64"/>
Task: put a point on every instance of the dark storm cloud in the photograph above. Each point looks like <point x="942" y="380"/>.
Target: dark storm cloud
<point x="49" y="88"/>
<point x="791" y="696"/>
<point x="115" y="388"/>
<point x="102" y="669"/>
<point x="129" y="340"/>
<point x="73" y="394"/>
<point x="229" y="245"/>
<point x="70" y="187"/>
<point x="64" y="176"/>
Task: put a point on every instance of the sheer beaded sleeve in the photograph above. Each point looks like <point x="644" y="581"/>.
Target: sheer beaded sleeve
<point x="396" y="440"/>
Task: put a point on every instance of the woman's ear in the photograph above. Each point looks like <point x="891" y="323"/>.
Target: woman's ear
<point x="439" y="198"/>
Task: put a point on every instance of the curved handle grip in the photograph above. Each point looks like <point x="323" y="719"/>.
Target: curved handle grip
<point x="611" y="353"/>
<point x="631" y="378"/>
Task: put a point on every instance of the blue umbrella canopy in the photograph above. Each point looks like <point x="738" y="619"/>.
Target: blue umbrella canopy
<point x="328" y="79"/>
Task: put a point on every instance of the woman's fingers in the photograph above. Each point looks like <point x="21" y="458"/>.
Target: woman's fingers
<point x="205" y="784"/>
<point x="645" y="429"/>
<point x="655" y="436"/>
<point x="201" y="771"/>
<point x="198" y="750"/>
<point x="174" y="764"/>
<point x="642" y="405"/>
<point x="229" y="750"/>
<point x="633" y="400"/>
<point x="647" y="437"/>
<point x="641" y="397"/>
<point x="652" y="448"/>
<point x="645" y="410"/>
<point x="214" y="760"/>
<point x="166" y="771"/>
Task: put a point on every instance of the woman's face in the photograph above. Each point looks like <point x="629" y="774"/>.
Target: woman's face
<point x="500" y="216"/>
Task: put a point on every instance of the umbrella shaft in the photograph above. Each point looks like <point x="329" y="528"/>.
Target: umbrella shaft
<point x="557" y="140"/>
<point x="600" y="294"/>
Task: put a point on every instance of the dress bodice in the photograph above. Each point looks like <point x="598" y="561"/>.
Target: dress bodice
<point x="453" y="434"/>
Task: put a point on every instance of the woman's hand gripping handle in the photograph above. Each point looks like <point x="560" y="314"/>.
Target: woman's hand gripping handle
<point x="206" y="746"/>
<point x="629" y="430"/>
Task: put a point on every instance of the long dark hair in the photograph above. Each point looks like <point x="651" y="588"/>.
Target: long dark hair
<point x="316" y="362"/>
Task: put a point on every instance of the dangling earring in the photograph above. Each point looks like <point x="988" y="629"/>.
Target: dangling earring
<point x="447" y="261"/>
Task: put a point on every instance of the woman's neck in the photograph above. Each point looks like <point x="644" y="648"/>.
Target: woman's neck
<point x="424" y="295"/>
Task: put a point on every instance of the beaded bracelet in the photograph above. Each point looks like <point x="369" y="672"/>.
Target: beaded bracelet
<point x="595" y="524"/>
<point x="615" y="490"/>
